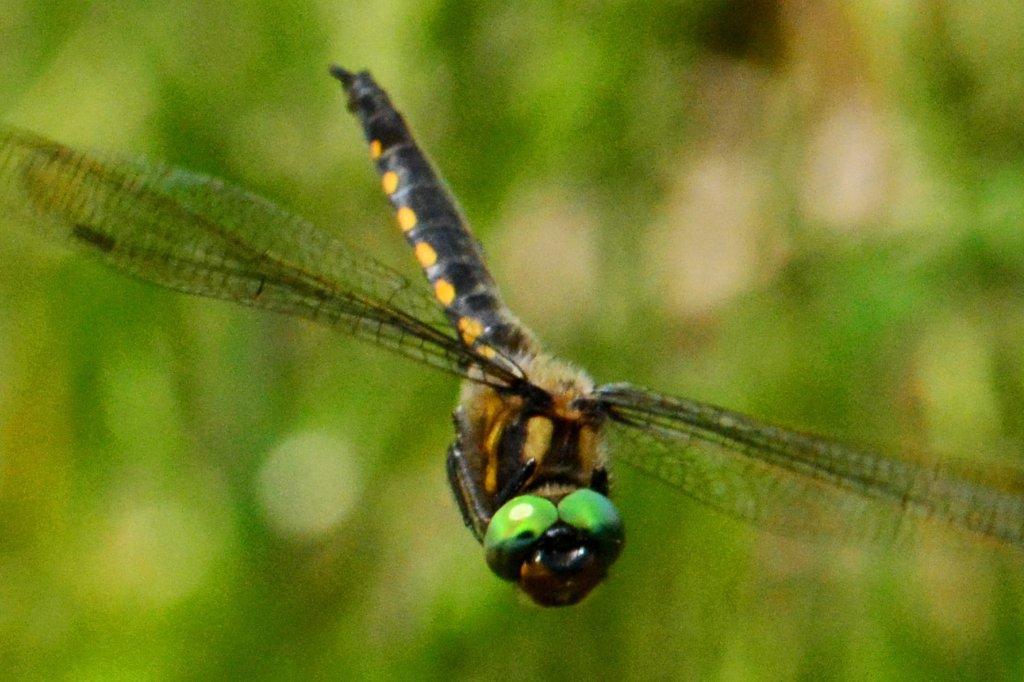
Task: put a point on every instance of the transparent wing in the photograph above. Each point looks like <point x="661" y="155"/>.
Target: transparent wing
<point x="199" y="235"/>
<point x="799" y="484"/>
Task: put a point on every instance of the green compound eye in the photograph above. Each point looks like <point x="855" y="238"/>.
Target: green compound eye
<point x="595" y="514"/>
<point x="513" y="530"/>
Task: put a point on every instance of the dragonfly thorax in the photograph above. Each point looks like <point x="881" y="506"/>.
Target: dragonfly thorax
<point x="502" y="433"/>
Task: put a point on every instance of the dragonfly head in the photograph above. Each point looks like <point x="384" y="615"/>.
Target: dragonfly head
<point x="556" y="554"/>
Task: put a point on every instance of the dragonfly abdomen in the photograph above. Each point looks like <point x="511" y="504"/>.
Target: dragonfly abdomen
<point x="433" y="225"/>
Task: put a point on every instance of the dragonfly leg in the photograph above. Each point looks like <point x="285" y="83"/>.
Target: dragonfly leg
<point x="516" y="483"/>
<point x="475" y="513"/>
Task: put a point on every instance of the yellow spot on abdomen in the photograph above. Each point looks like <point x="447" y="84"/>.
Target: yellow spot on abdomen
<point x="471" y="328"/>
<point x="486" y="351"/>
<point x="389" y="181"/>
<point x="375" y="149"/>
<point x="406" y="218"/>
<point x="444" y="291"/>
<point x="425" y="254"/>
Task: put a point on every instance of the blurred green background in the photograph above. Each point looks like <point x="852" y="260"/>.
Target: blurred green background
<point x="809" y="213"/>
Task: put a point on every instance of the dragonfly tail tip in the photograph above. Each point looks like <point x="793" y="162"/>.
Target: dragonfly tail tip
<point x="346" y="77"/>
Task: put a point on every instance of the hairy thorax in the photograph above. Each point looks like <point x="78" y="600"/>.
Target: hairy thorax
<point x="501" y="432"/>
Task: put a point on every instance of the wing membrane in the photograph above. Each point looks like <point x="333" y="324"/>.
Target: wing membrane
<point x="202" y="236"/>
<point x="800" y="484"/>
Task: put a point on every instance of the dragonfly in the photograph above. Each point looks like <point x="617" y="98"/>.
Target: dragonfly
<point x="535" y="437"/>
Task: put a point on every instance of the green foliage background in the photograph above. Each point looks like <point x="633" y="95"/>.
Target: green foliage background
<point x="811" y="213"/>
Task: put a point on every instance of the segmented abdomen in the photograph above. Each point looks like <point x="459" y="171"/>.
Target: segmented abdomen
<point x="433" y="225"/>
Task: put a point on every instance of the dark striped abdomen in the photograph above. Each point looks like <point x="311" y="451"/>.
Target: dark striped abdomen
<point x="433" y="224"/>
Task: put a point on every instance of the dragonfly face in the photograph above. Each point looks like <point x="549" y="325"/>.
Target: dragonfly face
<point x="535" y="438"/>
